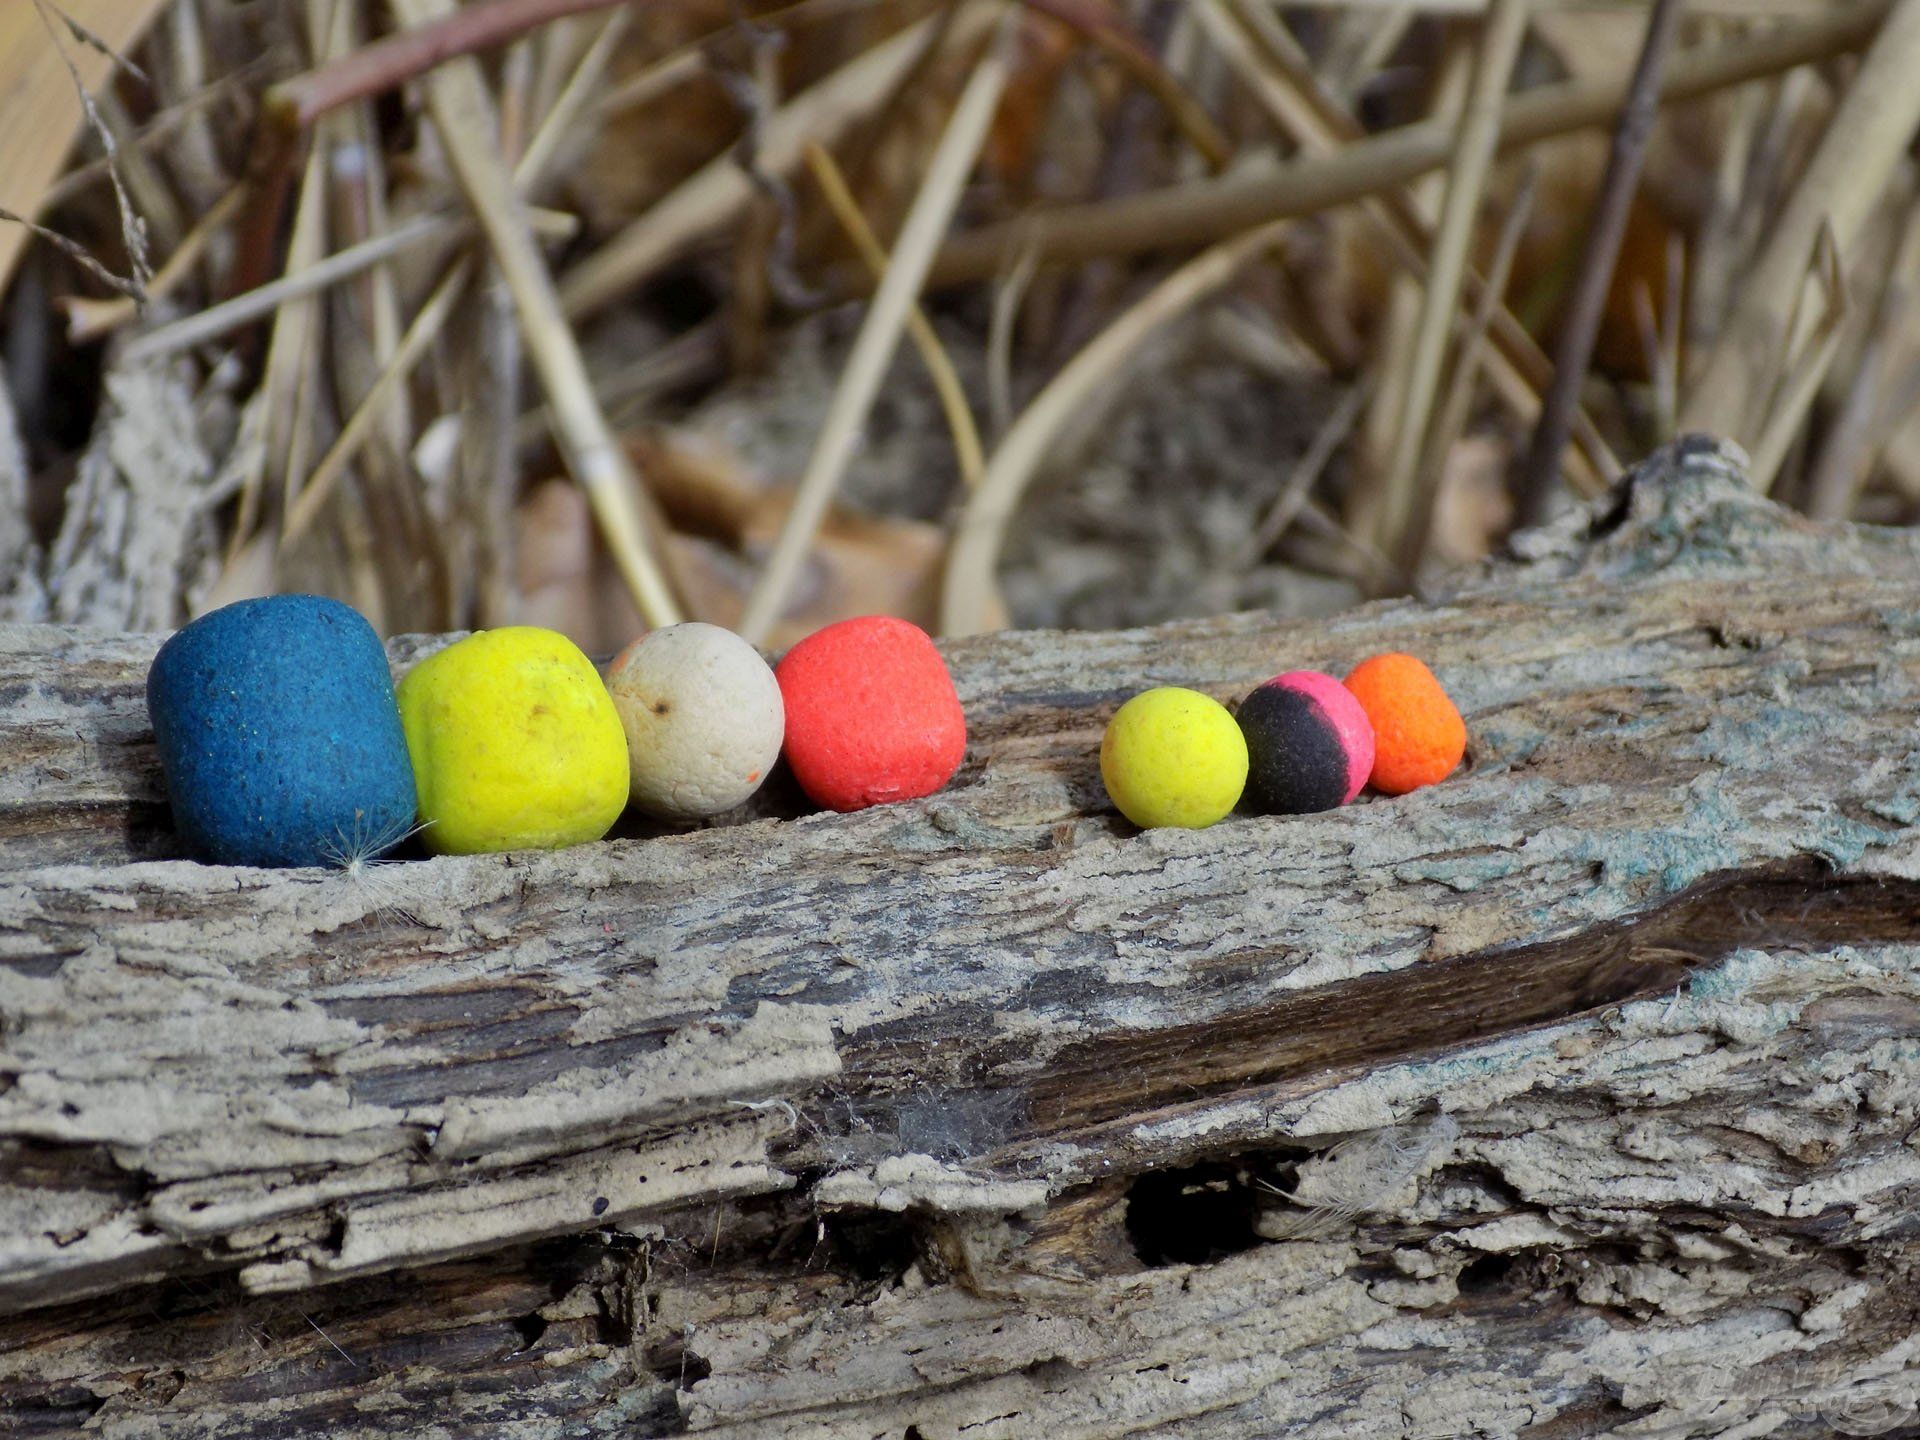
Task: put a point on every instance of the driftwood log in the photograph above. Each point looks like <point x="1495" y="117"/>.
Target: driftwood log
<point x="1574" y="1097"/>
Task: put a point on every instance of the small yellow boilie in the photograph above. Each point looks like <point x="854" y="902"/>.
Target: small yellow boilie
<point x="1174" y="757"/>
<point x="515" y="744"/>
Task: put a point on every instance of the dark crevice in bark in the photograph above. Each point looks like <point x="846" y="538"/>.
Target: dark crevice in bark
<point x="967" y="1099"/>
<point x="1455" y="1002"/>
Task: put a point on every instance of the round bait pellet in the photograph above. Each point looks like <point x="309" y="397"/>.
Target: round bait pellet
<point x="1173" y="757"/>
<point x="515" y="743"/>
<point x="872" y="716"/>
<point x="278" y="737"/>
<point x="1309" y="744"/>
<point x="1418" y="735"/>
<point x="703" y="717"/>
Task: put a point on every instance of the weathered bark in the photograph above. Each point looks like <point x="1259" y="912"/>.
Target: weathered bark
<point x="1572" y="1097"/>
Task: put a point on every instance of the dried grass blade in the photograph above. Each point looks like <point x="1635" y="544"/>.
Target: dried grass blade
<point x="719" y="192"/>
<point x="927" y="220"/>
<point x="940" y="370"/>
<point x="457" y="101"/>
<point x="1866" y="138"/>
<point x="967" y="591"/>
<point x="1479" y="134"/>
<point x="1202" y="212"/>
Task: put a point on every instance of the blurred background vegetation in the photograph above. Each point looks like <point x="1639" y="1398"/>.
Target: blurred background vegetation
<point x="1191" y="305"/>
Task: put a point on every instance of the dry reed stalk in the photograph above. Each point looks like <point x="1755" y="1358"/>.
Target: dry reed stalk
<point x="1295" y="95"/>
<point x="690" y="60"/>
<point x="763" y="243"/>
<point x="379" y="295"/>
<point x="1393" y="356"/>
<point x="1806" y="367"/>
<point x="490" y="460"/>
<point x="1101" y="25"/>
<point x="689" y="358"/>
<point x="289" y="110"/>
<point x="968" y="588"/>
<point x="553" y="54"/>
<point x="1540" y="472"/>
<point x="386" y="396"/>
<point x="1327" y="440"/>
<point x="1714" y="268"/>
<point x="457" y="101"/>
<point x="1009" y="293"/>
<point x="1372" y="12"/>
<point x="927" y="220"/>
<point x="413" y="52"/>
<point x="569" y="113"/>
<point x="1200" y="212"/>
<point x="148" y="190"/>
<point x="283" y="379"/>
<point x="1838" y="469"/>
<point x="719" y="192"/>
<point x="298" y="283"/>
<point x="1369" y="559"/>
<point x="294" y="425"/>
<point x="1479" y="134"/>
<point x="363" y="318"/>
<point x="194" y="157"/>
<point x="1659" y="324"/>
<point x="373" y="406"/>
<point x="946" y="380"/>
<point x="1282" y="78"/>
<point x="1859" y="430"/>
<point x="1379" y="39"/>
<point x="513" y="106"/>
<point x="1450" y="422"/>
<point x="165" y="125"/>
<point x="1252" y="336"/>
<point x="1866" y="138"/>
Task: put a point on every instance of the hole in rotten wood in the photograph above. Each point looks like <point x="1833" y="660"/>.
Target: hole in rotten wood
<point x="1485" y="1275"/>
<point x="672" y="1361"/>
<point x="1191" y="1216"/>
<point x="873" y="1247"/>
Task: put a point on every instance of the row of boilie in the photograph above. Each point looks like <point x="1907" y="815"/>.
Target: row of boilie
<point x="1301" y="742"/>
<point x="284" y="741"/>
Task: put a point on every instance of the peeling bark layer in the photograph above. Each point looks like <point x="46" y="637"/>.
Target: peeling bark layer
<point x="1572" y="1097"/>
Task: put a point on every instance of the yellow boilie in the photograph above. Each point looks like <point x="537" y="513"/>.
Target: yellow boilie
<point x="516" y="744"/>
<point x="1174" y="757"/>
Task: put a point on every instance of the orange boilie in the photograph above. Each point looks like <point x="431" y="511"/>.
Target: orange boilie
<point x="1418" y="734"/>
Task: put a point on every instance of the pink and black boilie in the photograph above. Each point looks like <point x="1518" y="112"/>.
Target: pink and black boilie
<point x="1309" y="744"/>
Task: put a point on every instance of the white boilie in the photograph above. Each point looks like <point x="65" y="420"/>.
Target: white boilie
<point x="703" y="719"/>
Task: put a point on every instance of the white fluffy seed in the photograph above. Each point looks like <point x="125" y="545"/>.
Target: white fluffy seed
<point x="703" y="718"/>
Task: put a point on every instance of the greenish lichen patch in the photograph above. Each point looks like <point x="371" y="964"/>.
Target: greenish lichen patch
<point x="1753" y="741"/>
<point x="1462" y="874"/>
<point x="1900" y="802"/>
